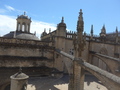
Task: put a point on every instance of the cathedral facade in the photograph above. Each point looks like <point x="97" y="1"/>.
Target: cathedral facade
<point x="104" y="43"/>
<point x="21" y="48"/>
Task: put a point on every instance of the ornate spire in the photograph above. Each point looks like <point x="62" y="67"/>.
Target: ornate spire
<point x="116" y="35"/>
<point x="81" y="15"/>
<point x="62" y="21"/>
<point x="116" y="30"/>
<point x="103" y="31"/>
<point x="104" y="27"/>
<point x="80" y="41"/>
<point x="34" y="32"/>
<point x="91" y="29"/>
<point x="44" y="29"/>
<point x="91" y="32"/>
<point x="80" y="22"/>
<point x="49" y="30"/>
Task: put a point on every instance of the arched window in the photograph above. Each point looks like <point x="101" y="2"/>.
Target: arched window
<point x="18" y="26"/>
<point x="26" y="28"/>
<point x="23" y="27"/>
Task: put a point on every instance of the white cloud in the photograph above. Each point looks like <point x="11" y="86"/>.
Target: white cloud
<point x="9" y="8"/>
<point x="39" y="26"/>
<point x="8" y="23"/>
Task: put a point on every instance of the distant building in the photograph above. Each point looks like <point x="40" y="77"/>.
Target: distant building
<point x="22" y="29"/>
<point x="104" y="43"/>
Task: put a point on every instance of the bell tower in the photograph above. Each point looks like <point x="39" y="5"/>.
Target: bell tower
<point x="23" y="23"/>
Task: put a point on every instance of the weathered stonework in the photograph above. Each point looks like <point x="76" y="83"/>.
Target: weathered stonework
<point x="23" y="49"/>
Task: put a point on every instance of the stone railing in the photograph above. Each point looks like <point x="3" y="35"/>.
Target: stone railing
<point x="111" y="81"/>
<point x="13" y="42"/>
<point x="21" y="41"/>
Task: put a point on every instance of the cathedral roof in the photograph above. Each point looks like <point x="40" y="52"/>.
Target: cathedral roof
<point x="24" y="16"/>
<point x="21" y="35"/>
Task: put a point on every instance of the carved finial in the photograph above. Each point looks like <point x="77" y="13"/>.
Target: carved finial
<point x="103" y="29"/>
<point x="103" y="26"/>
<point x="91" y="29"/>
<point x="24" y="13"/>
<point x="62" y="21"/>
<point x="80" y="11"/>
<point x="35" y="33"/>
<point x="49" y="30"/>
<point x="116" y="30"/>
<point x="80" y="22"/>
<point x="80" y="16"/>
<point x="44" y="29"/>
<point x="116" y="35"/>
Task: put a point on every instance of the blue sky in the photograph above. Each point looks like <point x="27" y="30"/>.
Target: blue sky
<point x="47" y="14"/>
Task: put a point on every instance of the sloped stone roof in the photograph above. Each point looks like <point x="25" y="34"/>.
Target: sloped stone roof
<point x="21" y="35"/>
